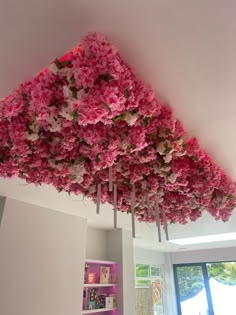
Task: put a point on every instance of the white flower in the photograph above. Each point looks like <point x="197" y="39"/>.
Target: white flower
<point x="130" y="118"/>
<point x="53" y="68"/>
<point x="80" y="94"/>
<point x="161" y="148"/>
<point x="66" y="113"/>
<point x="77" y="171"/>
<point x="32" y="136"/>
<point x="168" y="158"/>
<point x="92" y="189"/>
<point x="172" y="178"/>
<point x="55" y="125"/>
<point x="180" y="153"/>
<point x="58" y="166"/>
<point x="124" y="145"/>
<point x="179" y="142"/>
<point x="67" y="92"/>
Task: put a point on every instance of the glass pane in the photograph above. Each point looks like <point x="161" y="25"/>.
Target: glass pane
<point x="223" y="287"/>
<point x="143" y="283"/>
<point x="143" y="301"/>
<point x="142" y="271"/>
<point x="155" y="271"/>
<point x="157" y="297"/>
<point x="192" y="293"/>
<point x="149" y="298"/>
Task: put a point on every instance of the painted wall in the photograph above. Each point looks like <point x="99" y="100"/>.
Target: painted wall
<point x="210" y="255"/>
<point x="120" y="249"/>
<point x="146" y="256"/>
<point x="42" y="261"/>
<point x="96" y="246"/>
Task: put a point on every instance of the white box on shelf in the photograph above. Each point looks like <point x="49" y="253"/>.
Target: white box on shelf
<point x="109" y="302"/>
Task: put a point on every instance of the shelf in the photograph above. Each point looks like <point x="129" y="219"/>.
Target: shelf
<point x="100" y="262"/>
<point x="98" y="285"/>
<point x="98" y="310"/>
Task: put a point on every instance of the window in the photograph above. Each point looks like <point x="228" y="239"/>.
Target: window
<point x="206" y="288"/>
<point x="149" y="290"/>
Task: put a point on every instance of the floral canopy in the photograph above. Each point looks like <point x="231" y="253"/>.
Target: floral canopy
<point x="87" y="125"/>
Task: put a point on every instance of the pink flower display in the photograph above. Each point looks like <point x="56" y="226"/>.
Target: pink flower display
<point x="88" y="112"/>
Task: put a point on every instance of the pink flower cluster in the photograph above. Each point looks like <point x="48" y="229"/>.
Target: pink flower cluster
<point x="87" y="112"/>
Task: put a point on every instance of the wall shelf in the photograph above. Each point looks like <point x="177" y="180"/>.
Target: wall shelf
<point x="99" y="285"/>
<point x="98" y="310"/>
<point x="100" y="262"/>
<point x="96" y="294"/>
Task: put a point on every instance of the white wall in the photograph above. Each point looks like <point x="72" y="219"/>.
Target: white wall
<point x="120" y="249"/>
<point x="210" y="255"/>
<point x="147" y="256"/>
<point x="42" y="261"/>
<point x="96" y="246"/>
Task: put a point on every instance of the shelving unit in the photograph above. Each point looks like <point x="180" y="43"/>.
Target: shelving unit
<point x="98" y="310"/>
<point x="99" y="285"/>
<point x="103" y="290"/>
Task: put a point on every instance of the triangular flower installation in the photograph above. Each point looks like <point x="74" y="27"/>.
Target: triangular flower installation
<point x="87" y="123"/>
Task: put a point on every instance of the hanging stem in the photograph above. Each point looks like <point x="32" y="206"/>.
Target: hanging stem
<point x="110" y="178"/>
<point x="165" y="224"/>
<point x="148" y="206"/>
<point x="132" y="209"/>
<point x="158" y="221"/>
<point x="98" y="198"/>
<point x="115" y="206"/>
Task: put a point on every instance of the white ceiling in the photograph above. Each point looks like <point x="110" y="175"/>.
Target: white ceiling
<point x="185" y="49"/>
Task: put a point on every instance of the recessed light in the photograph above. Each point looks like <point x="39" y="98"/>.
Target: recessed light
<point x="205" y="239"/>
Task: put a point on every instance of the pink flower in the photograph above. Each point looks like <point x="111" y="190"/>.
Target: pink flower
<point x="88" y="112"/>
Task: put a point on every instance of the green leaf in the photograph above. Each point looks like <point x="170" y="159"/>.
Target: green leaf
<point x="2" y="157"/>
<point x="167" y="148"/>
<point x="75" y="116"/>
<point x="145" y="121"/>
<point x="195" y="158"/>
<point x="106" y="106"/>
<point x="126" y="93"/>
<point x="61" y="64"/>
<point x="98" y="158"/>
<point x="72" y="79"/>
<point x="105" y="77"/>
<point x="131" y="147"/>
<point x="16" y="157"/>
<point x="72" y="177"/>
<point x="33" y="117"/>
<point x="74" y="91"/>
<point x="119" y="117"/>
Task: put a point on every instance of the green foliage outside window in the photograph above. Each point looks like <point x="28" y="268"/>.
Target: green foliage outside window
<point x="142" y="271"/>
<point x="224" y="272"/>
<point x="191" y="282"/>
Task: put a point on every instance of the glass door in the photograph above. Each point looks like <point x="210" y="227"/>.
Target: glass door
<point x="192" y="288"/>
<point x="222" y="282"/>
